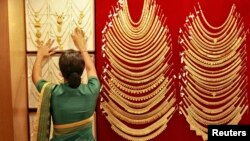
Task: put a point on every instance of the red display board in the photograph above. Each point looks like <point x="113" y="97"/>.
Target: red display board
<point x="176" y="11"/>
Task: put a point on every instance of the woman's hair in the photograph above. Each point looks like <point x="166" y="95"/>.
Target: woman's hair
<point x="72" y="65"/>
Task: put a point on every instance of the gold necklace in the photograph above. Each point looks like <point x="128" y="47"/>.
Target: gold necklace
<point x="34" y="11"/>
<point x="215" y="86"/>
<point x="216" y="110"/>
<point x="149" y="26"/>
<point x="139" y="138"/>
<point x="135" y="121"/>
<point x="136" y="89"/>
<point x="211" y="64"/>
<point x="212" y="117"/>
<point x="217" y="47"/>
<point x="140" y="41"/>
<point x="61" y="38"/>
<point x="215" y="92"/>
<point x="220" y="62"/>
<point x="142" y="74"/>
<point x="214" y="39"/>
<point x="215" y="50"/>
<point x="139" y="80"/>
<point x="221" y="26"/>
<point x="138" y="35"/>
<point x="224" y="120"/>
<point x="133" y="49"/>
<point x="157" y="52"/>
<point x="132" y="53"/>
<point x="204" y="115"/>
<point x="164" y="48"/>
<point x="166" y="104"/>
<point x="60" y="15"/>
<point x="81" y="12"/>
<point x="193" y="97"/>
<point x="207" y="80"/>
<point x="146" y="5"/>
<point x="131" y="30"/>
<point x="39" y="36"/>
<point x="202" y="131"/>
<point x="238" y="26"/>
<point x="37" y="18"/>
<point x="136" y="80"/>
<point x="194" y="64"/>
<point x="209" y="54"/>
<point x="238" y="117"/>
<point x="199" y="37"/>
<point x="191" y="68"/>
<point x="199" y="129"/>
<point x="120" y="99"/>
<point x="143" y="131"/>
<point x="141" y="98"/>
<point x="208" y="94"/>
<point x="137" y="111"/>
<point x="228" y="22"/>
<point x="140" y="68"/>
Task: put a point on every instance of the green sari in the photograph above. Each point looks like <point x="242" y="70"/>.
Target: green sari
<point x="71" y="111"/>
<point x="42" y="123"/>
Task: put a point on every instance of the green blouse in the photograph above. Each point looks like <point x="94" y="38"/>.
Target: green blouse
<point x="71" y="105"/>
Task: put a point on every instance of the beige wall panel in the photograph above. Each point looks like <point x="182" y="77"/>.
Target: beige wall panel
<point x="18" y="68"/>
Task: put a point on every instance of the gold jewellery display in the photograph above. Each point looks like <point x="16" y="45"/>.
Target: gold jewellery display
<point x="37" y="18"/>
<point x="56" y="19"/>
<point x="137" y="95"/>
<point x="213" y="77"/>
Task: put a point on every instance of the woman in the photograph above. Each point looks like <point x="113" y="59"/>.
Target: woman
<point x="71" y="104"/>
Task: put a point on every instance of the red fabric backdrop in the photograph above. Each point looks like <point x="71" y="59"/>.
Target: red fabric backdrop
<point x="216" y="11"/>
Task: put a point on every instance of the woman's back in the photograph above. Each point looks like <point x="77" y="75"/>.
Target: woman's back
<point x="70" y="106"/>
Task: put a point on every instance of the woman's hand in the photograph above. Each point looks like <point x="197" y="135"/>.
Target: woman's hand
<point x="79" y="39"/>
<point x="43" y="51"/>
<point x="46" y="49"/>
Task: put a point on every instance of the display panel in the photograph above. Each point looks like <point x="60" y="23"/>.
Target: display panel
<point x="214" y="79"/>
<point x="177" y="13"/>
<point x="138" y="95"/>
<point x="56" y="19"/>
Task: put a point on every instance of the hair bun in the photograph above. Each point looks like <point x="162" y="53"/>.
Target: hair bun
<point x="74" y="80"/>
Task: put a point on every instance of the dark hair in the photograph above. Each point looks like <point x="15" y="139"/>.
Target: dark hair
<point x="72" y="65"/>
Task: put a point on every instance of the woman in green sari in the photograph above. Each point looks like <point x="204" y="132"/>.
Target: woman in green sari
<point x="71" y="104"/>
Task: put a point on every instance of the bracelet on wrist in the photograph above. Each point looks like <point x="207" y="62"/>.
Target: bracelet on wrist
<point x="85" y="50"/>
